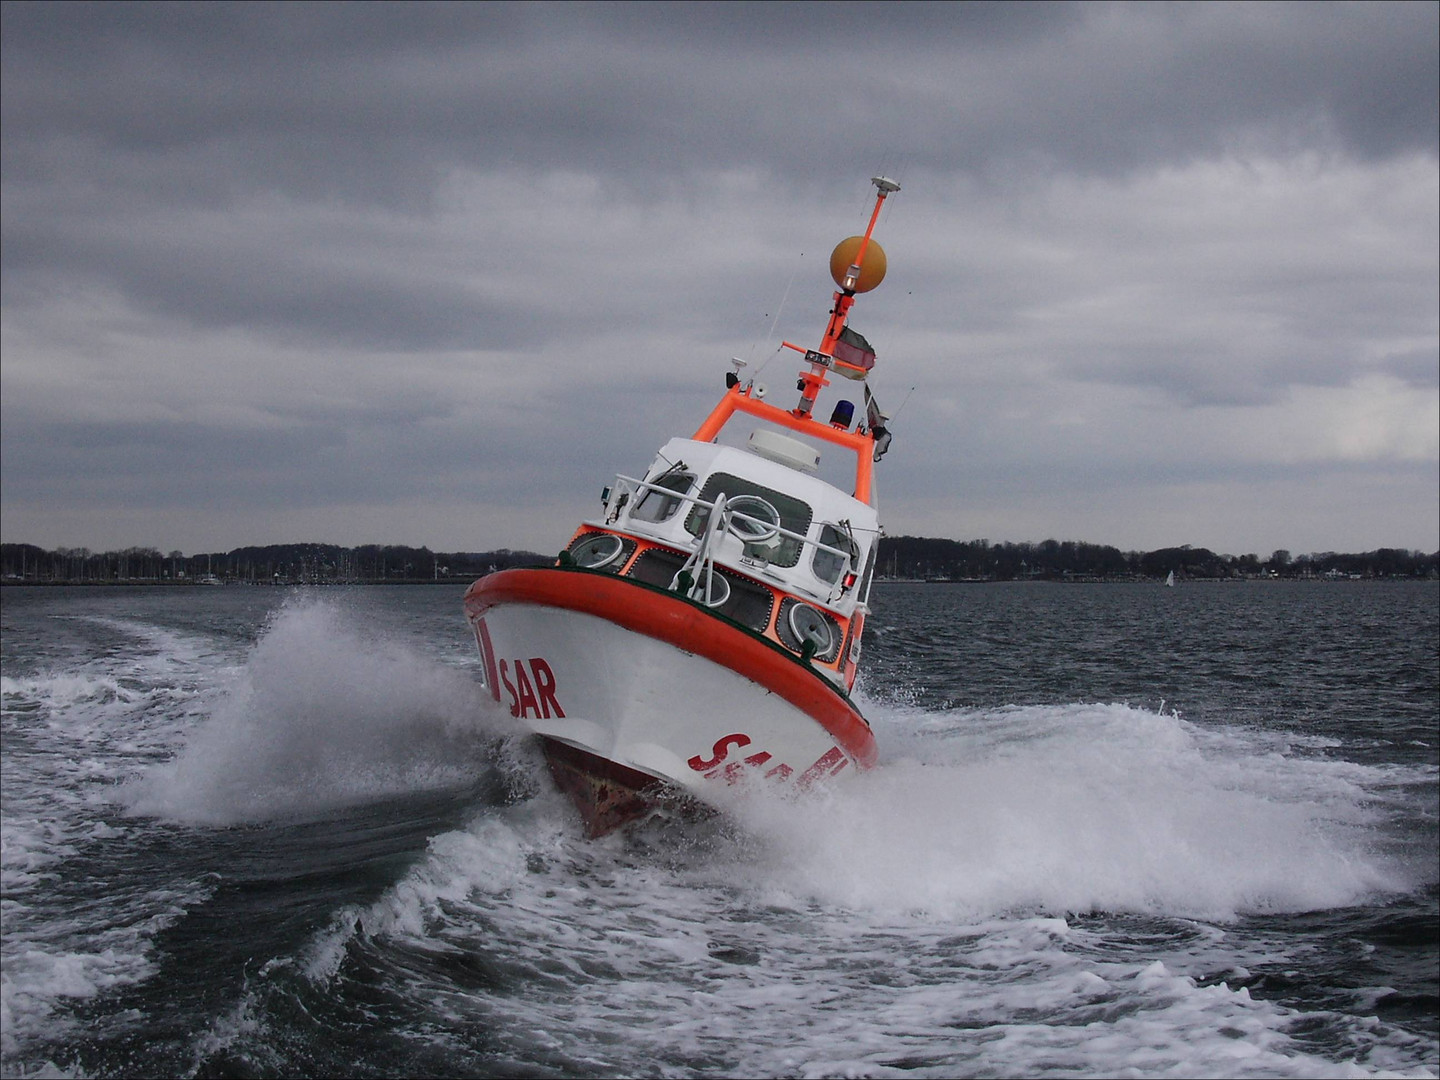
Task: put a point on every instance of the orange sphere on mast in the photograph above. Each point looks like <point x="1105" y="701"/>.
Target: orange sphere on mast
<point x="872" y="272"/>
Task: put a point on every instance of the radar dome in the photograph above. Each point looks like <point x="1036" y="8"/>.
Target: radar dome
<point x="843" y="257"/>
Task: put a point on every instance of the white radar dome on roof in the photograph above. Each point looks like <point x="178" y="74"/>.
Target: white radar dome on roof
<point x="774" y="446"/>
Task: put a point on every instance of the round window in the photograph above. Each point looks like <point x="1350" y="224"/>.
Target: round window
<point x="807" y="624"/>
<point x="597" y="550"/>
<point x="759" y="519"/>
<point x="719" y="591"/>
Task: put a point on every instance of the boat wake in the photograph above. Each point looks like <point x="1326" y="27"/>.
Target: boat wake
<point x="1015" y="887"/>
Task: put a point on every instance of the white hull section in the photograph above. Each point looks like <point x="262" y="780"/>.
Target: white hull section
<point x="645" y="704"/>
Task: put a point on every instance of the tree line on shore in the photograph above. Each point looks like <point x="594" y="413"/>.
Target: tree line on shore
<point x="904" y="557"/>
<point x="269" y="564"/>
<point x="979" y="560"/>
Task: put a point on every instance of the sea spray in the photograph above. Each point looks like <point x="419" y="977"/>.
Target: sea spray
<point x="1078" y="808"/>
<point x="323" y="715"/>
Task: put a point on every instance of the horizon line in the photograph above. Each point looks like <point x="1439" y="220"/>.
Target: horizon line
<point x="1293" y="553"/>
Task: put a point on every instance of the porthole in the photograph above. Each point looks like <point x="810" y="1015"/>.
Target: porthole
<point x="799" y="623"/>
<point x="719" y="590"/>
<point x="597" y="551"/>
<point x="760" y="520"/>
<point x="807" y="624"/>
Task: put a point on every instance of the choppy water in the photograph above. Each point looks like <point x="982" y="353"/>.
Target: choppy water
<point x="1117" y="830"/>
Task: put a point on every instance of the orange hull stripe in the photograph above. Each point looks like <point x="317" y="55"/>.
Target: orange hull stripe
<point x="680" y="623"/>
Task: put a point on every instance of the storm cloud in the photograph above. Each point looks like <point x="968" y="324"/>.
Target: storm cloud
<point x="430" y="274"/>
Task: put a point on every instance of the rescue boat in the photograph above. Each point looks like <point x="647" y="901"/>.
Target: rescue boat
<point x="706" y="627"/>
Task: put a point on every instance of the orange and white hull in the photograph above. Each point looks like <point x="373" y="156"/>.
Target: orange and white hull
<point x="640" y="695"/>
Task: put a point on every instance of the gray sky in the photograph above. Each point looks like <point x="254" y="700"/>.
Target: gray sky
<point x="1159" y="274"/>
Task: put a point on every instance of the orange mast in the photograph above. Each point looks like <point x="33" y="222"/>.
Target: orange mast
<point x="850" y="282"/>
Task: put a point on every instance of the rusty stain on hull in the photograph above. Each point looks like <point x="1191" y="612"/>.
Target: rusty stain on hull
<point x="607" y="794"/>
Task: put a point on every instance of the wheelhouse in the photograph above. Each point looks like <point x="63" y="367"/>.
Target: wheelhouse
<point x="749" y="532"/>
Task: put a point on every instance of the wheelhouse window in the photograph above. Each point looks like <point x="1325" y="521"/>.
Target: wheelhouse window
<point x="826" y="564"/>
<point x="793" y="513"/>
<point x="869" y="574"/>
<point x="659" y="505"/>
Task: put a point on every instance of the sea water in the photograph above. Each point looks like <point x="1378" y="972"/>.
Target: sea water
<point x="1116" y="830"/>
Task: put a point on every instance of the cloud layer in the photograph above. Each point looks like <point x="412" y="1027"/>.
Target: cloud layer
<point x="430" y="274"/>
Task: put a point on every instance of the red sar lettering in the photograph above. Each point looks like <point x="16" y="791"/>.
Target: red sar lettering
<point x="720" y="750"/>
<point x="525" y="698"/>
<point x="487" y="654"/>
<point x="830" y="763"/>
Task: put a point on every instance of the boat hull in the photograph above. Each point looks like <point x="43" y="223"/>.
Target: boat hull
<point x="642" y="697"/>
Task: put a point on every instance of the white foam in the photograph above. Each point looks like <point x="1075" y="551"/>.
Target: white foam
<point x="49" y="964"/>
<point x="71" y="735"/>
<point x="1079" y="808"/>
<point x="321" y="716"/>
<point x="695" y="959"/>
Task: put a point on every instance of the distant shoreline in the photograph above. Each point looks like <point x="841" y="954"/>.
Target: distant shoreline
<point x="897" y="558"/>
<point x="15" y="583"/>
<point x="235" y="584"/>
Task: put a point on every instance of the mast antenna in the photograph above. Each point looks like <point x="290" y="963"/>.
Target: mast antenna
<point x="851" y="281"/>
